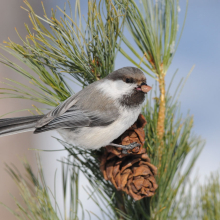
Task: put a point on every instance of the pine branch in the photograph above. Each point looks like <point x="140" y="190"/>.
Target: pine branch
<point x="66" y="50"/>
<point x="35" y="195"/>
<point x="208" y="198"/>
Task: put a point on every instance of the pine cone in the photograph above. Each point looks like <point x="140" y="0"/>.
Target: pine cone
<point x="133" y="174"/>
<point x="134" y="134"/>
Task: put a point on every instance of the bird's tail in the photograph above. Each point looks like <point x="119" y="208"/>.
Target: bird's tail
<point x="10" y="126"/>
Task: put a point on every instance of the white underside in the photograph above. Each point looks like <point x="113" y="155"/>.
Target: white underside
<point x="96" y="137"/>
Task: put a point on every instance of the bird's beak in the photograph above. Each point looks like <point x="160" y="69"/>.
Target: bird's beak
<point x="145" y="88"/>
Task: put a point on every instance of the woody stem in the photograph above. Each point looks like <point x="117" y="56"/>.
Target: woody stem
<point x="161" y="115"/>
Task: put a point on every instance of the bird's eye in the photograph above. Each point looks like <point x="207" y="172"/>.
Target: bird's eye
<point x="129" y="80"/>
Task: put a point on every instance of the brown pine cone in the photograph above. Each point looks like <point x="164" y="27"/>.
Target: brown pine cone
<point x="134" y="134"/>
<point x="133" y="174"/>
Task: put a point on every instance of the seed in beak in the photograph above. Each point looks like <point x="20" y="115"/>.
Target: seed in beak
<point x="145" y="88"/>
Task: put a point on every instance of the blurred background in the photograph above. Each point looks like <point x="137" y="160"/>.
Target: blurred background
<point x="199" y="45"/>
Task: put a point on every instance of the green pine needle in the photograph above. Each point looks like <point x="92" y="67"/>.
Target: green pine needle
<point x="153" y="26"/>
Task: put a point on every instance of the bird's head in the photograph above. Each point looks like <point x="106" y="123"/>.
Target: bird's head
<point x="128" y="83"/>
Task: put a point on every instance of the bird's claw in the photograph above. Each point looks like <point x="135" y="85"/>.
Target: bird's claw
<point x="126" y="148"/>
<point x="131" y="146"/>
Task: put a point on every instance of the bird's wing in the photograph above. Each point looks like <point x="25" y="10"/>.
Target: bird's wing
<point x="73" y="118"/>
<point x="88" y="108"/>
<point x="58" y="111"/>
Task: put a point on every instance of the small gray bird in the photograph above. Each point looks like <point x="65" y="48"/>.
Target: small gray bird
<point x="93" y="117"/>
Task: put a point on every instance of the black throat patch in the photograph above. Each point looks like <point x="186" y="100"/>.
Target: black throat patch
<point x="133" y="100"/>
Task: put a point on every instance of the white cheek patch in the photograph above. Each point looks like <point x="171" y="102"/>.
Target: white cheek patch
<point x="116" y="89"/>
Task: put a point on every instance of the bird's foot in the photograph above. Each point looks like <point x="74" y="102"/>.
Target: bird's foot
<point x="126" y="148"/>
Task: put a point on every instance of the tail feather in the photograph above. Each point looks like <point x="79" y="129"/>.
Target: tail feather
<point x="10" y="126"/>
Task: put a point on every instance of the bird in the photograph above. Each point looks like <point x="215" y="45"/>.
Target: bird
<point x="95" y="116"/>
